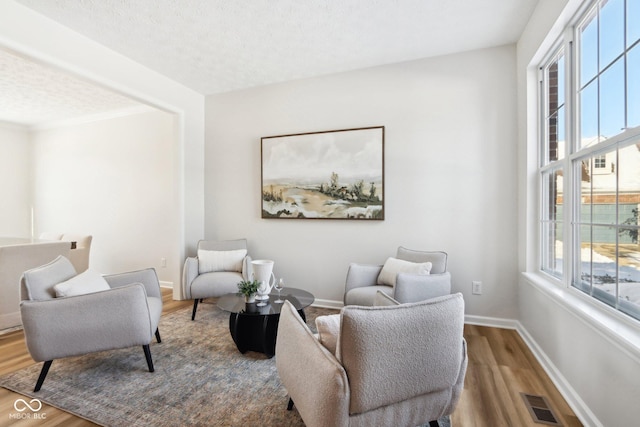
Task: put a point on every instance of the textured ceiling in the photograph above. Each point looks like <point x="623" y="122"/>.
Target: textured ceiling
<point x="32" y="94"/>
<point x="221" y="45"/>
<point x="215" y="46"/>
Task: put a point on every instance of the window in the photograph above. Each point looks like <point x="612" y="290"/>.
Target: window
<point x="590" y="156"/>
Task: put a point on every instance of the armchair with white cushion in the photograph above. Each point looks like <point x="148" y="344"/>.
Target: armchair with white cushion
<point x="393" y="365"/>
<point x="409" y="277"/>
<point x="66" y="314"/>
<point x="216" y="271"/>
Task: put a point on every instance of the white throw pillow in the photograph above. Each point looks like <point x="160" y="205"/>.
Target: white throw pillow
<point x="328" y="331"/>
<point x="393" y="266"/>
<point x="209" y="261"/>
<point x="86" y="282"/>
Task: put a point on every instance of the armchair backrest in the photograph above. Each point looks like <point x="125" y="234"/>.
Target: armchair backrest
<point x="222" y="245"/>
<point x="38" y="283"/>
<point x="394" y="353"/>
<point x="438" y="259"/>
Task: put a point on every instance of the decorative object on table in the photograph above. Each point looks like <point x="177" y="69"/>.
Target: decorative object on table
<point x="335" y="174"/>
<point x="249" y="288"/>
<point x="278" y="287"/>
<point x="263" y="273"/>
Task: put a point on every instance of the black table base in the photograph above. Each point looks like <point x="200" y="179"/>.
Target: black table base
<point x="256" y="333"/>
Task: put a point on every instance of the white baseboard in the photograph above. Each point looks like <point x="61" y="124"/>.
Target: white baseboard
<point x="327" y="303"/>
<point x="493" y="322"/>
<point x="164" y="284"/>
<point x="10" y="320"/>
<point x="578" y="406"/>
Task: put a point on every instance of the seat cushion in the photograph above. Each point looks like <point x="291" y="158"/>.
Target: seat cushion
<point x="39" y="281"/>
<point x="383" y="300"/>
<point x="365" y="295"/>
<point x="215" y="284"/>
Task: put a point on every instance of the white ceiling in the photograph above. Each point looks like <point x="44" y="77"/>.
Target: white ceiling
<point x="215" y="46"/>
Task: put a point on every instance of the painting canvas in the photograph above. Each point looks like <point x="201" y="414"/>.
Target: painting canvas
<point x="324" y="175"/>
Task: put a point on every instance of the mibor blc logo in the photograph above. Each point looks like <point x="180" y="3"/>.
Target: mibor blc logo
<point x="27" y="410"/>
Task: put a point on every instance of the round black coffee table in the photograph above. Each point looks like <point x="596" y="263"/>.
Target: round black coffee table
<point x="255" y="328"/>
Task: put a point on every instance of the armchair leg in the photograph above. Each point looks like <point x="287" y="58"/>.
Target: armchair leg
<point x="195" y="307"/>
<point x="434" y="423"/>
<point x="147" y="355"/>
<point x="158" y="336"/>
<point x="290" y="404"/>
<point x="43" y="375"/>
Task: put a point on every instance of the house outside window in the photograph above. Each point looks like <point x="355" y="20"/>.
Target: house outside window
<point x="590" y="156"/>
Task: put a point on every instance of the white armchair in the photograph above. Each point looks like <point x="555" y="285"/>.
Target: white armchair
<point x="396" y="365"/>
<point x="216" y="271"/>
<point x="65" y="314"/>
<point x="362" y="280"/>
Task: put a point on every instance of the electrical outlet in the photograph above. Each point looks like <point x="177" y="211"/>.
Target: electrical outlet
<point x="476" y="287"/>
<point x="163" y="262"/>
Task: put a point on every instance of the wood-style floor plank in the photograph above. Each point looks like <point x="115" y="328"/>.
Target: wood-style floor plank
<point x="500" y="368"/>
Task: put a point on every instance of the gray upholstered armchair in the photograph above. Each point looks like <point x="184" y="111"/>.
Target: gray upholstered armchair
<point x="216" y="271"/>
<point x="396" y="365"/>
<point x="67" y="314"/>
<point x="406" y="285"/>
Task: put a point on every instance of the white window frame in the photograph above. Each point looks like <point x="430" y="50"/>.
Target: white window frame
<point x="569" y="161"/>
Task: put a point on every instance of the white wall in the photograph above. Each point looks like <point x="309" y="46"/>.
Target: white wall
<point x="15" y="195"/>
<point x="593" y="358"/>
<point x="34" y="36"/>
<point x="449" y="172"/>
<point x="112" y="179"/>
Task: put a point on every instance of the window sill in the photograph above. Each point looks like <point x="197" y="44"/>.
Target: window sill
<point x="611" y="325"/>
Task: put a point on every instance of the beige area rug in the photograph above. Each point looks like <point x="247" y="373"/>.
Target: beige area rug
<point x="200" y="379"/>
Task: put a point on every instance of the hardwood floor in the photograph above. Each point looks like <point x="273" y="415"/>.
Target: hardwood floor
<point x="500" y="368"/>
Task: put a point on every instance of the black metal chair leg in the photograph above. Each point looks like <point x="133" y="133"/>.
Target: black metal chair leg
<point x="147" y="355"/>
<point x="434" y="423"/>
<point x="158" y="335"/>
<point x="43" y="375"/>
<point x="195" y="307"/>
<point x="290" y="404"/>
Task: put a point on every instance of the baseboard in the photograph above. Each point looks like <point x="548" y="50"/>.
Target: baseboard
<point x="579" y="407"/>
<point x="164" y="284"/>
<point x="10" y="320"/>
<point x="327" y="303"/>
<point x="493" y="322"/>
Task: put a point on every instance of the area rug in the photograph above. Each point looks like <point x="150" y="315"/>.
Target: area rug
<point x="200" y="379"/>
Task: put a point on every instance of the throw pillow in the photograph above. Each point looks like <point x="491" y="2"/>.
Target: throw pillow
<point x="328" y="331"/>
<point x="209" y="261"/>
<point x="393" y="266"/>
<point x="86" y="282"/>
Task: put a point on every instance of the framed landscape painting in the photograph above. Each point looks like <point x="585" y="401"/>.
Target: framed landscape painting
<point x="336" y="174"/>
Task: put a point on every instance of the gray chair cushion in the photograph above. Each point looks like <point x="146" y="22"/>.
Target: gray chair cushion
<point x="215" y="284"/>
<point x="39" y="282"/>
<point x="365" y="295"/>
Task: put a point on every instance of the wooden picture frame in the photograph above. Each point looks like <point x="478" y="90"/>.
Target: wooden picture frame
<point x="337" y="174"/>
